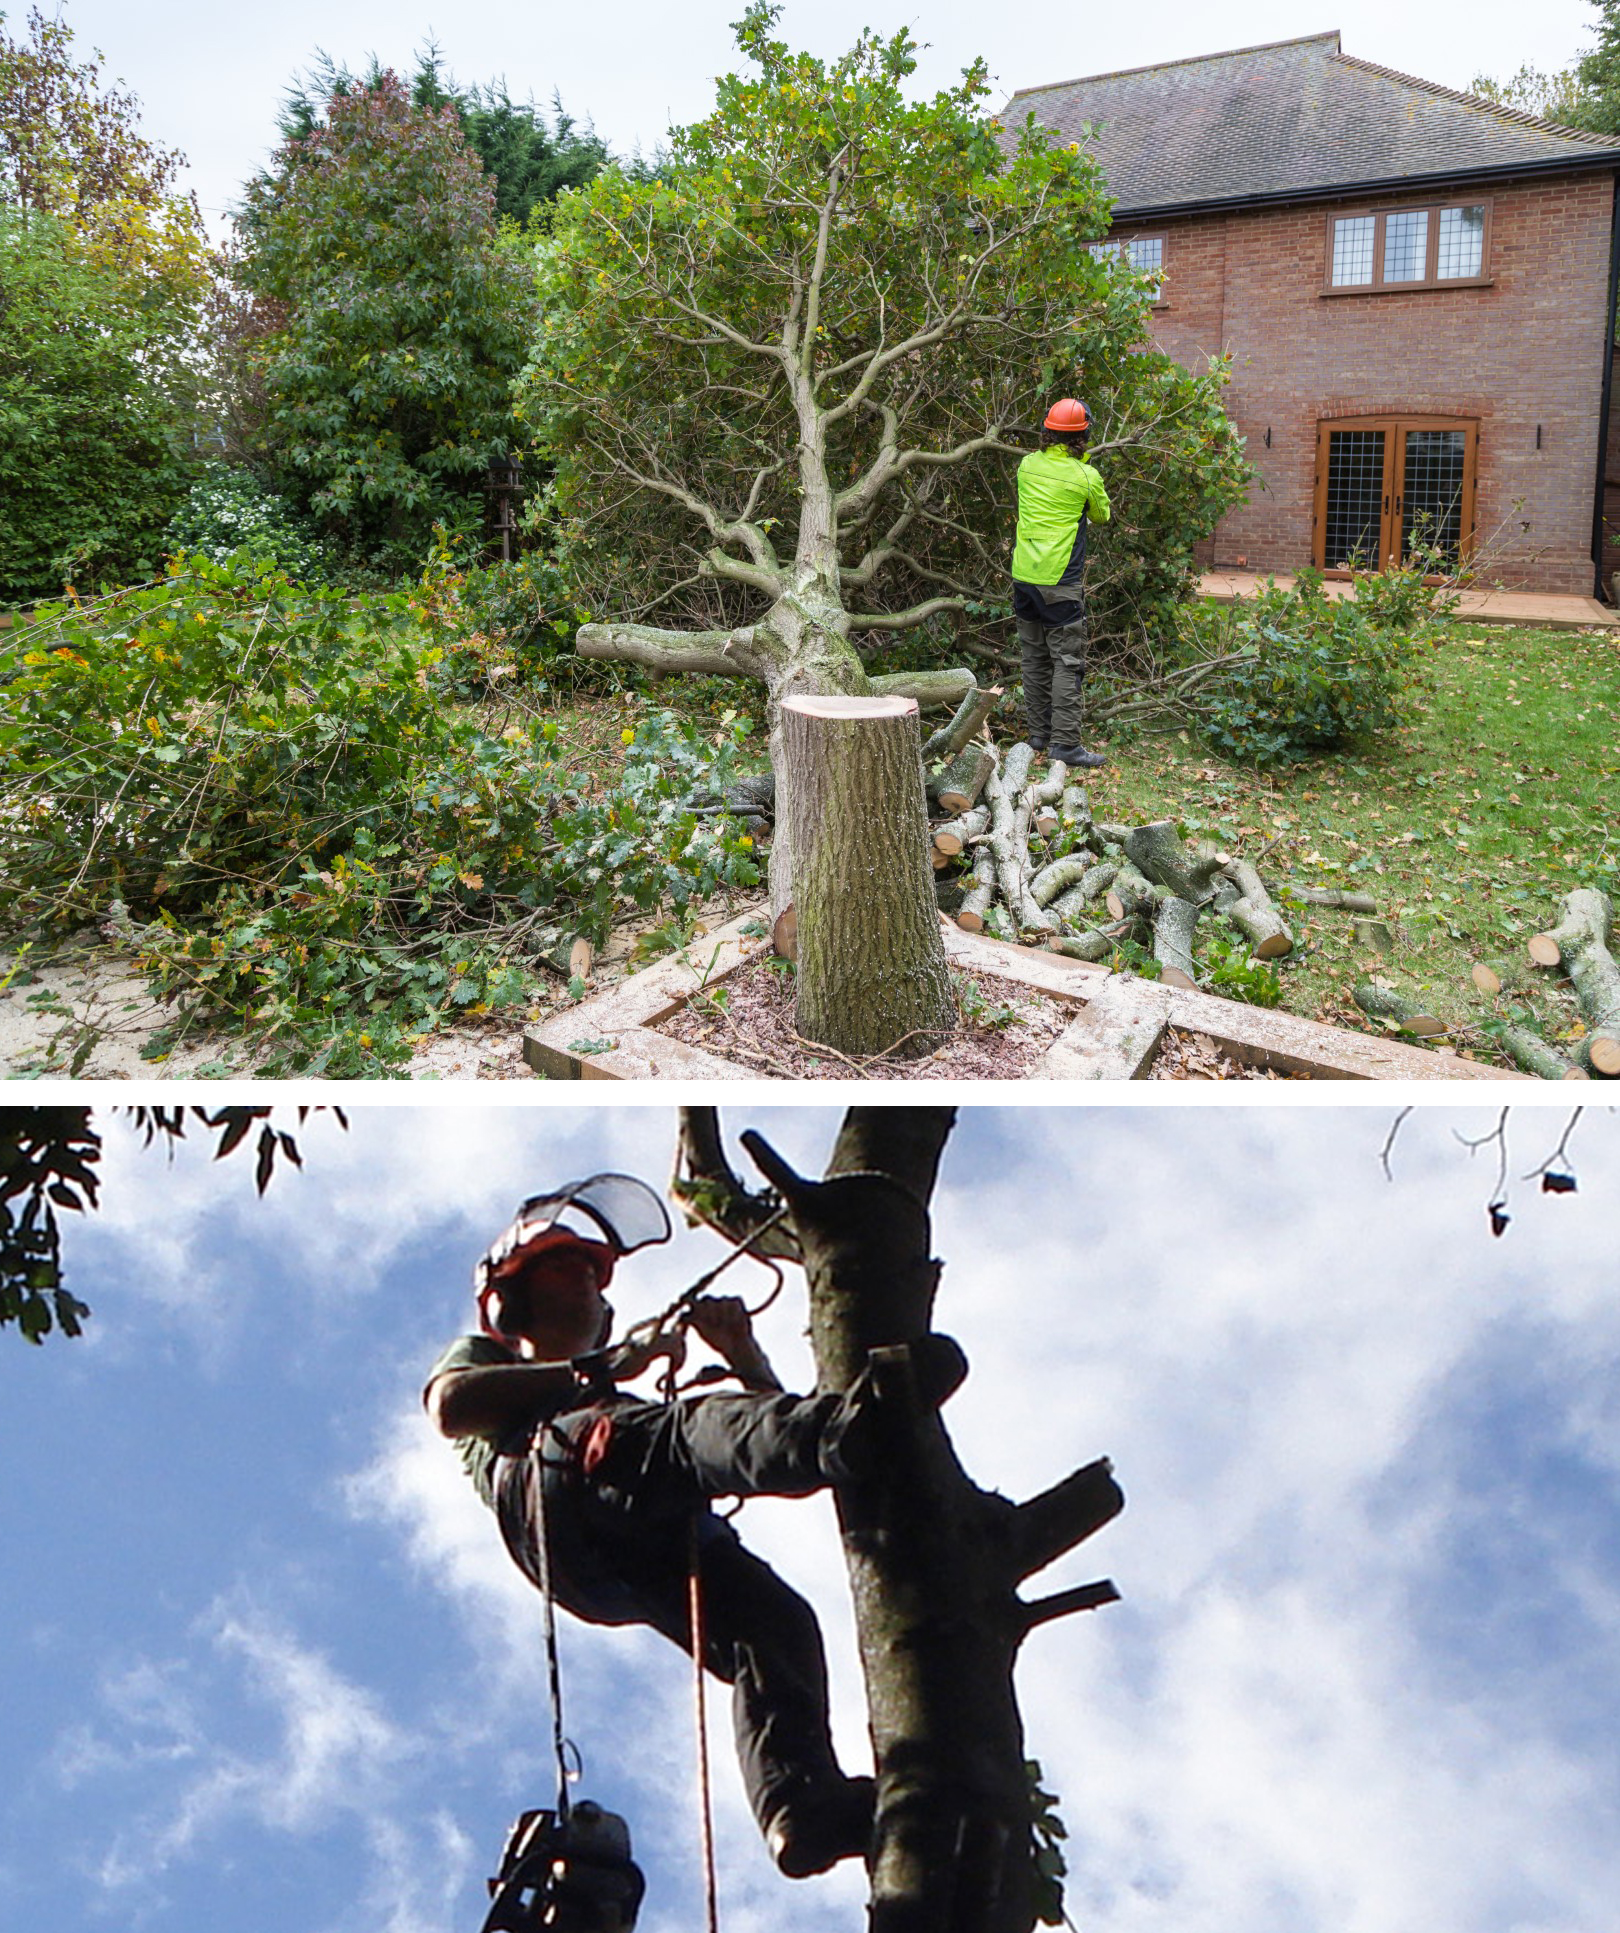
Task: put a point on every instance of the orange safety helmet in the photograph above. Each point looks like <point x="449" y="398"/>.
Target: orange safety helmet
<point x="618" y="1208"/>
<point x="1068" y="415"/>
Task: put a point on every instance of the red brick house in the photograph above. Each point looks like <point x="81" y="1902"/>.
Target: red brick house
<point x="1417" y="289"/>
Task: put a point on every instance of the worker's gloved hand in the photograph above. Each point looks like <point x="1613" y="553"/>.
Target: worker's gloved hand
<point x="722" y="1321"/>
<point x="725" y="1325"/>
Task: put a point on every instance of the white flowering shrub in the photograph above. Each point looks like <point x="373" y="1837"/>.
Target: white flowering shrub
<point x="229" y="510"/>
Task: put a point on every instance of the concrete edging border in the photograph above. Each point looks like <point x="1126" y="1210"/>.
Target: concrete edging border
<point x="1118" y="1024"/>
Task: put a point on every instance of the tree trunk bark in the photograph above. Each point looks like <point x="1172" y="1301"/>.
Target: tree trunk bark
<point x="934" y="1562"/>
<point x="871" y="965"/>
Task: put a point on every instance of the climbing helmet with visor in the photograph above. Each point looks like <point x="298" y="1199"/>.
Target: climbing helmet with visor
<point x="606" y="1216"/>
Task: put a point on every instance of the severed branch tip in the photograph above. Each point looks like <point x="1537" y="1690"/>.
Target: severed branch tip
<point x="1062" y="1604"/>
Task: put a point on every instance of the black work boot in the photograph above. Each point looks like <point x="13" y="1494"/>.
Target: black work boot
<point x="858" y="1436"/>
<point x="1077" y="757"/>
<point x="815" y="1826"/>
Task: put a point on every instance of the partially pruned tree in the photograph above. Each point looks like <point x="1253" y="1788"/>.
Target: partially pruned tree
<point x="782" y="384"/>
<point x="935" y="1563"/>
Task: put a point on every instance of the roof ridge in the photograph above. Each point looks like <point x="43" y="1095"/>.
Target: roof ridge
<point x="1514" y="114"/>
<point x="1189" y="60"/>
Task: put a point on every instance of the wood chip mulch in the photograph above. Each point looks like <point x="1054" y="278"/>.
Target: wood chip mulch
<point x="751" y="1022"/>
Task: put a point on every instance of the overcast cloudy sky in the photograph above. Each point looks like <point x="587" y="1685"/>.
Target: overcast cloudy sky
<point x="268" y="1667"/>
<point x="211" y="77"/>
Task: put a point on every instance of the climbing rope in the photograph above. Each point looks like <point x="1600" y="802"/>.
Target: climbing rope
<point x="673" y="1320"/>
<point x="559" y="1742"/>
<point x="705" y="1796"/>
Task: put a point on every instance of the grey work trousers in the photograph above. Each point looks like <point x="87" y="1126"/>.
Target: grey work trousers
<point x="622" y="1537"/>
<point x="1054" y="664"/>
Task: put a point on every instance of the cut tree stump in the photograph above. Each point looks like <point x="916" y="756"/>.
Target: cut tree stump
<point x="871" y="965"/>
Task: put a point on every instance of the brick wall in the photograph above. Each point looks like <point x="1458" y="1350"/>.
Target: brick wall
<point x="1529" y="350"/>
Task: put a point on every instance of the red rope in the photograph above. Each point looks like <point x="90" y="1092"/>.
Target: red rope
<point x="705" y="1798"/>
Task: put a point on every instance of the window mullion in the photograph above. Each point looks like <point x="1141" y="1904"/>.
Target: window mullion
<point x="1378" y="251"/>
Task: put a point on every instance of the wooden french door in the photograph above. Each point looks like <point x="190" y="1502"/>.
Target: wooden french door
<point x="1385" y="482"/>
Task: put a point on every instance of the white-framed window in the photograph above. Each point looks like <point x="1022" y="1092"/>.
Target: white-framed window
<point x="1408" y="248"/>
<point x="1141" y="254"/>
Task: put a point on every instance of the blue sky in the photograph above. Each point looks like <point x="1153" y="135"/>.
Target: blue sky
<point x="268" y="1665"/>
<point x="212" y="78"/>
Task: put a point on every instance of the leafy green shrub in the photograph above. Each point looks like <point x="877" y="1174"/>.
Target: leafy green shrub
<point x="91" y="437"/>
<point x="401" y="322"/>
<point x="257" y="783"/>
<point x="500" y="621"/>
<point x="229" y="509"/>
<point x="1231" y="970"/>
<point x="1311" y="672"/>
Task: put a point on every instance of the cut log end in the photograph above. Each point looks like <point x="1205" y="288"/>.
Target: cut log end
<point x="877" y="705"/>
<point x="970" y="921"/>
<point x="581" y="958"/>
<point x="1544" y="950"/>
<point x="1485" y="978"/>
<point x="1604" y="1054"/>
<point x="1274" y="946"/>
<point x="1174" y="977"/>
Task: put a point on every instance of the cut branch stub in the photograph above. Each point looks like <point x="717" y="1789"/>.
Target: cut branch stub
<point x="872" y="976"/>
<point x="1158" y="853"/>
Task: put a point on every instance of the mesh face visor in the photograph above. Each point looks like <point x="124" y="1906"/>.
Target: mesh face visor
<point x="617" y="1209"/>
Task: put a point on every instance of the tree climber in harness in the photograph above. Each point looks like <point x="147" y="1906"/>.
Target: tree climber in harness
<point x="534" y="1399"/>
<point x="1058" y="494"/>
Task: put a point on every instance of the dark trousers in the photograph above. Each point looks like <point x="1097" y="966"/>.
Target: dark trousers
<point x="1054" y="667"/>
<point x="622" y="1538"/>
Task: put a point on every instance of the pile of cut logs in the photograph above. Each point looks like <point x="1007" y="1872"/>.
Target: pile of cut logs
<point x="998" y="827"/>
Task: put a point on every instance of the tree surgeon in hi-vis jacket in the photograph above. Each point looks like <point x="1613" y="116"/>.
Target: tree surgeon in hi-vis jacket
<point x="1059" y="493"/>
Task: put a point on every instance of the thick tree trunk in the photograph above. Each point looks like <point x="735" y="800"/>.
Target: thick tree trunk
<point x="934" y="1562"/>
<point x="871" y="964"/>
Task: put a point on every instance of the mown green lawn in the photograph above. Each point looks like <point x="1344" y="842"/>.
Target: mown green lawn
<point x="1467" y="825"/>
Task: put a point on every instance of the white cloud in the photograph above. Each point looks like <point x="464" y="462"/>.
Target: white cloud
<point x="1299" y="1369"/>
